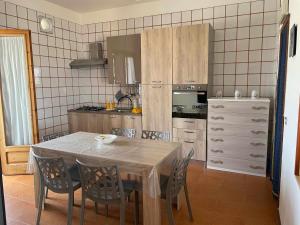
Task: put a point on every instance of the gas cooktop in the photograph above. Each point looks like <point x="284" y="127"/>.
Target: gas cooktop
<point x="90" y="108"/>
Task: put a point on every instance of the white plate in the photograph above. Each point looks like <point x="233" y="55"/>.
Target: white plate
<point x="106" y="138"/>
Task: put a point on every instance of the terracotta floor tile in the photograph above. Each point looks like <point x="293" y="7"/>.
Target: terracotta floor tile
<point x="217" y="198"/>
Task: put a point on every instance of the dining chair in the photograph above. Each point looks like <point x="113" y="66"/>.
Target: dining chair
<point x="103" y="184"/>
<point x="56" y="176"/>
<point x="53" y="136"/>
<point x="171" y="185"/>
<point x="156" y="135"/>
<point x="126" y="132"/>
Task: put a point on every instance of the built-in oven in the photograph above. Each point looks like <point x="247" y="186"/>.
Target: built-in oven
<point x="189" y="101"/>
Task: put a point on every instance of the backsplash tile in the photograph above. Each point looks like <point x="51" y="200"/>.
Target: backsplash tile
<point x="244" y="54"/>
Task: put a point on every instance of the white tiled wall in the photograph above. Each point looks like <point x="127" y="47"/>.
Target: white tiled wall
<point x="244" y="53"/>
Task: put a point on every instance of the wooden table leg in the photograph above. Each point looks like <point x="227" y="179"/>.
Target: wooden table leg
<point x="151" y="206"/>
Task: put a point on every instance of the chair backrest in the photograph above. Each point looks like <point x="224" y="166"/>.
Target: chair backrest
<point x="54" y="173"/>
<point x="125" y="132"/>
<point x="53" y="136"/>
<point x="101" y="184"/>
<point x="178" y="175"/>
<point x="156" y="135"/>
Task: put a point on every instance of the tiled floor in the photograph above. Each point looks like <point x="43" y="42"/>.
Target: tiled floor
<point x="217" y="198"/>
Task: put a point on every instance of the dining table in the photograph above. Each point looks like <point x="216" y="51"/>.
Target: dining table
<point x="144" y="158"/>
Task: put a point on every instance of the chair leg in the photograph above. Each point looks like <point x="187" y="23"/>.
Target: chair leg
<point x="188" y="202"/>
<point x="70" y="208"/>
<point x="170" y="211"/>
<point x="136" y="208"/>
<point x="73" y="203"/>
<point x="40" y="206"/>
<point x="122" y="212"/>
<point x="106" y="210"/>
<point x="82" y="210"/>
<point x="96" y="208"/>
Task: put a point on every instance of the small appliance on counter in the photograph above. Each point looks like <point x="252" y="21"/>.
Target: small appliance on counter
<point x="189" y="101"/>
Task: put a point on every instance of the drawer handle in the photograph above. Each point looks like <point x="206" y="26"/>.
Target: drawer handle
<point x="256" y="167"/>
<point x="189" y="132"/>
<point x="189" y="121"/>
<point x="217" y="117"/>
<point x="216" y="161"/>
<point x="257" y="144"/>
<point x="218" y="106"/>
<point x="257" y="156"/>
<point x="156" y="81"/>
<point x="156" y="86"/>
<point x="217" y="151"/>
<point x="217" y="140"/>
<point x="217" y="129"/>
<point x="259" y="107"/>
<point x="190" y="142"/>
<point x="192" y="81"/>
<point x="113" y="117"/>
<point x="257" y="132"/>
<point x="259" y="120"/>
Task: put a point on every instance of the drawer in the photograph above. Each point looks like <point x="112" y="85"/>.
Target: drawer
<point x="239" y="107"/>
<point x="240" y="143"/>
<point x="236" y="153"/>
<point x="239" y="119"/>
<point x="189" y="134"/>
<point x="199" y="147"/>
<point x="237" y="130"/>
<point x="193" y="124"/>
<point x="237" y="165"/>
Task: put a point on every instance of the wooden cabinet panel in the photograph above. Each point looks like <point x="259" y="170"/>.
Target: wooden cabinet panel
<point x="157" y="107"/>
<point x="111" y="121"/>
<point x="156" y="54"/>
<point x="191" y="54"/>
<point x="185" y="123"/>
<point x="88" y="122"/>
<point x="133" y="122"/>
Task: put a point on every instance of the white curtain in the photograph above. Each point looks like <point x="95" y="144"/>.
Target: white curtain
<point x="15" y="91"/>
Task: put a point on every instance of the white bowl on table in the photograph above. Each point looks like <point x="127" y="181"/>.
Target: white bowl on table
<point x="106" y="138"/>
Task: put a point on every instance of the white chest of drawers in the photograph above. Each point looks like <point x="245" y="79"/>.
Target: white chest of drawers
<point x="237" y="135"/>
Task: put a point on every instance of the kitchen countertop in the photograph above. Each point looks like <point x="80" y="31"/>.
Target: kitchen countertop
<point x="106" y="112"/>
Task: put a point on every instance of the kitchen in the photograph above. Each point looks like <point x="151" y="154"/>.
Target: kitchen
<point x="203" y="75"/>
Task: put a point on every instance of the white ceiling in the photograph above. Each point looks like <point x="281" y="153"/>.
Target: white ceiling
<point x="83" y="6"/>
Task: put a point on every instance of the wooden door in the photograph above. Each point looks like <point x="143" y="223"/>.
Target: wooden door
<point x="14" y="157"/>
<point x="156" y="53"/>
<point x="111" y="121"/>
<point x="157" y="107"/>
<point x="191" y="46"/>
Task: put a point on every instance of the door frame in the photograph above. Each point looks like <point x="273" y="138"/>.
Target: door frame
<point x="2" y="203"/>
<point x="19" y="168"/>
<point x="285" y="23"/>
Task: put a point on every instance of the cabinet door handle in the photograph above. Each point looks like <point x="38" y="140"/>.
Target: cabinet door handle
<point x="156" y="86"/>
<point x="112" y="117"/>
<point x="259" y="120"/>
<point x="257" y="132"/>
<point x="217" y="129"/>
<point x="217" y="117"/>
<point x="259" y="107"/>
<point x="186" y="121"/>
<point x="256" y="144"/>
<point x="190" y="81"/>
<point x="256" y="167"/>
<point x="189" y="132"/>
<point x="156" y="81"/>
<point x="217" y="140"/>
<point x="113" y="68"/>
<point x="257" y="156"/>
<point x="189" y="142"/>
<point x="217" y="151"/>
<point x="216" y="161"/>
<point x="218" y="106"/>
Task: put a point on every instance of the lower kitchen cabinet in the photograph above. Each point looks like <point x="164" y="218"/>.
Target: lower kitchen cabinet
<point x="103" y="123"/>
<point x="157" y="107"/>
<point x="133" y="122"/>
<point x="192" y="134"/>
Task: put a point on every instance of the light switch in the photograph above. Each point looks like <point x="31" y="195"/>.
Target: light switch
<point x="37" y="75"/>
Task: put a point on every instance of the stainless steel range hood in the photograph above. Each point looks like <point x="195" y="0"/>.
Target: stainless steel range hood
<point x="95" y="58"/>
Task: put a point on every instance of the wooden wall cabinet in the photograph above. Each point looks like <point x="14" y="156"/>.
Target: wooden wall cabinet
<point x="156" y="54"/>
<point x="192" y="54"/>
<point x="157" y="107"/>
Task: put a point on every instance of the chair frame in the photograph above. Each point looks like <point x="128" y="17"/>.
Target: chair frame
<point x="156" y="135"/>
<point x="125" y="132"/>
<point x="65" y="185"/>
